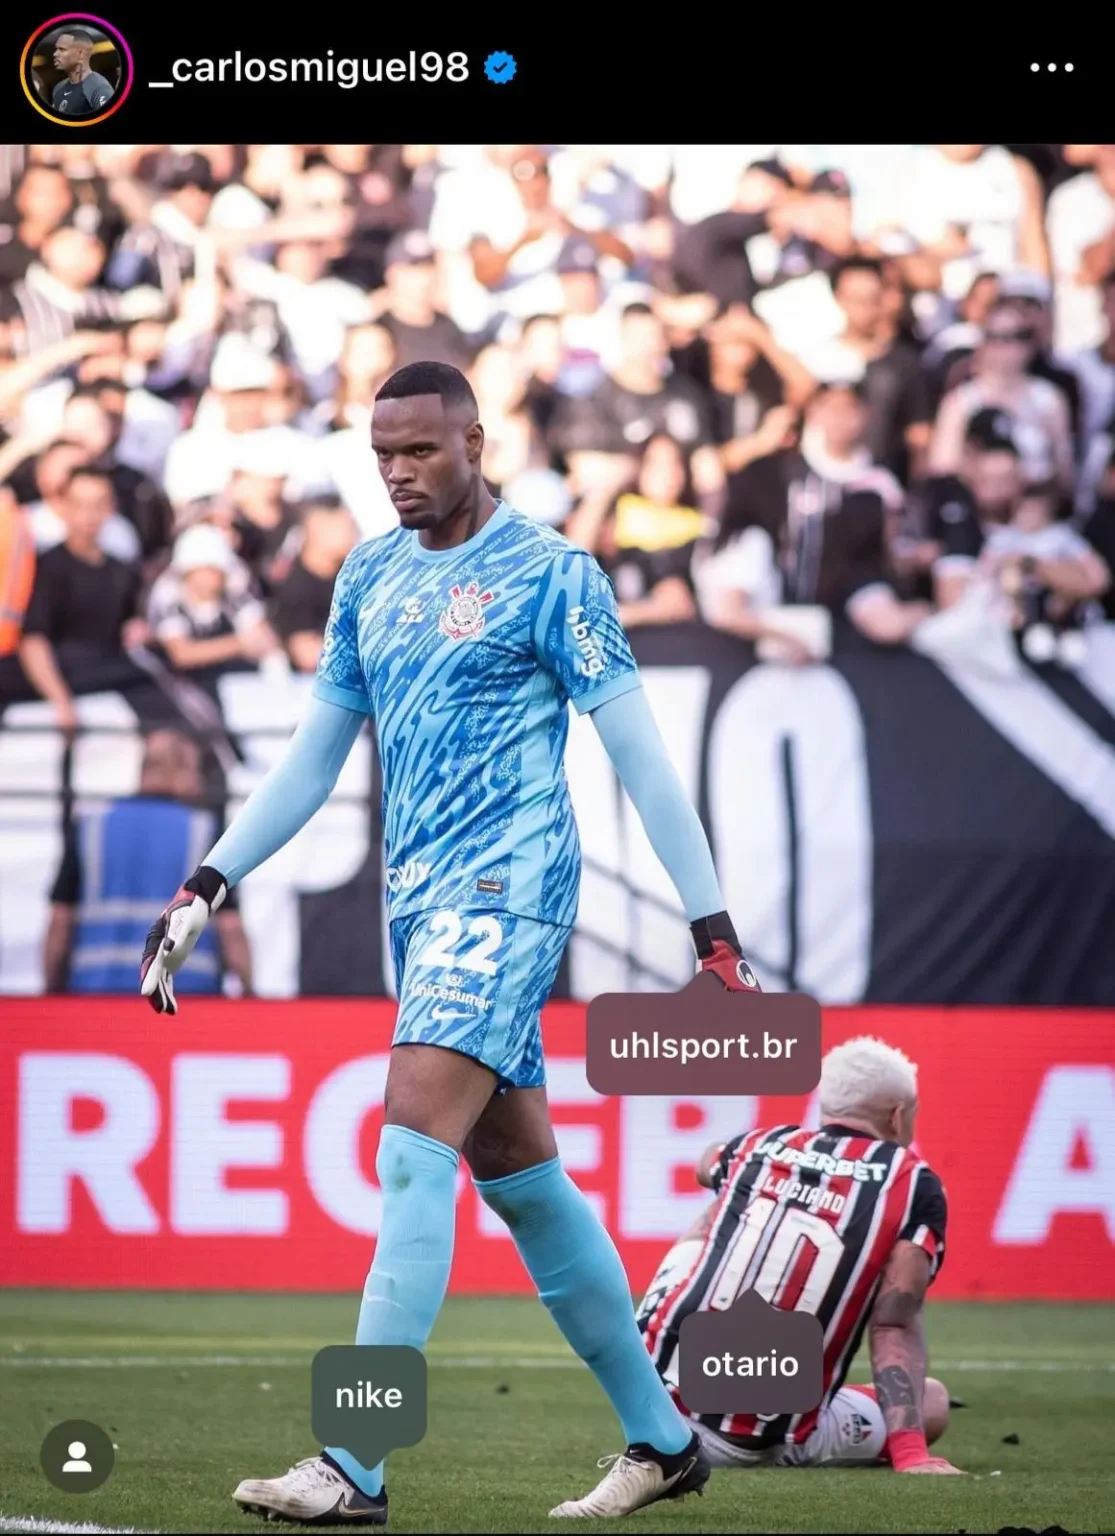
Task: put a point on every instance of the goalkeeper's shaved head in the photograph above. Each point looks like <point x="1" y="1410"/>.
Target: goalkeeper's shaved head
<point x="428" y="442"/>
<point x="441" y="379"/>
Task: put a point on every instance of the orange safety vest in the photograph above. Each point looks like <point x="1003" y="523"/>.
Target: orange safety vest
<point x="17" y="575"/>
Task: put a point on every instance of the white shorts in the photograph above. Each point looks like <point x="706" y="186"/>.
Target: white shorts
<point x="850" y="1432"/>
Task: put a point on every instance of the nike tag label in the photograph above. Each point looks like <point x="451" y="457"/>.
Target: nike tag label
<point x="368" y="1399"/>
<point x="490" y="887"/>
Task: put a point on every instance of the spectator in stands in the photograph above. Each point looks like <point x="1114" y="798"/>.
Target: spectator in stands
<point x="639" y="399"/>
<point x="1081" y="219"/>
<point x="314" y="307"/>
<point x="43" y="201"/>
<point x="367" y="359"/>
<point x="1036" y="409"/>
<point x="990" y="507"/>
<point x="686" y="318"/>
<point x="541" y="349"/>
<point x="809" y="527"/>
<point x="1050" y="574"/>
<point x="1032" y="295"/>
<point x="20" y="463"/>
<point x="712" y="255"/>
<point x="203" y="614"/>
<point x="757" y="388"/>
<point x="947" y="356"/>
<point x="113" y="878"/>
<point x="60" y="291"/>
<point x="645" y="537"/>
<point x="950" y="514"/>
<point x="899" y="412"/>
<point x="54" y="470"/>
<point x="248" y="202"/>
<point x="258" y="511"/>
<point x="99" y="430"/>
<point x="238" y="382"/>
<point x="509" y="439"/>
<point x="241" y="422"/>
<point x="1095" y="371"/>
<point x="83" y="619"/>
<point x="17" y="577"/>
<point x="598" y="186"/>
<point x="379" y="182"/>
<point x="518" y="269"/>
<point x="299" y="608"/>
<point x="587" y="323"/>
<point x="408" y="308"/>
<point x="969" y="208"/>
<point x="159" y="252"/>
<point x="810" y="233"/>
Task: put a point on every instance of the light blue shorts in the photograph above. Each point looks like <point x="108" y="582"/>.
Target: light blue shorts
<point x="475" y="982"/>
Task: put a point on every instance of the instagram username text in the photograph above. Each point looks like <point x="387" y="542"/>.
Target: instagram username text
<point x="347" y="73"/>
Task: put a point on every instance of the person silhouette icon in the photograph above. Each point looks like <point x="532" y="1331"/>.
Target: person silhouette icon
<point x="77" y="1462"/>
<point x="77" y="1456"/>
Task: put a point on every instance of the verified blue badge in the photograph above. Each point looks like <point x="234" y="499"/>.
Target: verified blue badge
<point x="500" y="68"/>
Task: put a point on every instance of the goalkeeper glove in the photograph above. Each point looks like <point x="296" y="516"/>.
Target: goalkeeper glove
<point x="174" y="934"/>
<point x="718" y="951"/>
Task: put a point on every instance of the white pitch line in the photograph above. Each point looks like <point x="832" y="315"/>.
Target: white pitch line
<point x="457" y="1362"/>
<point x="186" y="1362"/>
<point x="31" y="1523"/>
<point x="143" y="1362"/>
<point x="1024" y="1365"/>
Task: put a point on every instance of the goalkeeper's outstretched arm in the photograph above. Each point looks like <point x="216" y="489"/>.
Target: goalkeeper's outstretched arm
<point x="632" y="740"/>
<point x="292" y="792"/>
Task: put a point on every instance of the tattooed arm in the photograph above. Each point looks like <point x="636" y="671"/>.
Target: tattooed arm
<point x="898" y="1338"/>
<point x="898" y="1356"/>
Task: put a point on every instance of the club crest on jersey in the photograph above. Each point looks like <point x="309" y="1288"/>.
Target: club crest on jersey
<point x="859" y="1429"/>
<point x="464" y="616"/>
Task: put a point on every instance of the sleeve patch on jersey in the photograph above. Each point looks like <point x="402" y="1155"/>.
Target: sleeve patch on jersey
<point x="577" y="635"/>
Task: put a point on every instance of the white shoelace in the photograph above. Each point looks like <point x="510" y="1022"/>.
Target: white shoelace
<point x="614" y="1460"/>
<point x="307" y="1475"/>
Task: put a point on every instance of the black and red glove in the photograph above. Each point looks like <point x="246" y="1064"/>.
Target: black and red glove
<point x="175" y="932"/>
<point x="718" y="951"/>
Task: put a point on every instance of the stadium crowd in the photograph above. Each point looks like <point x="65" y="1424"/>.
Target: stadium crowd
<point x="813" y="395"/>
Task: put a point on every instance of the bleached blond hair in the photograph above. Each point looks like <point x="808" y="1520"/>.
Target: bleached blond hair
<point x="866" y="1076"/>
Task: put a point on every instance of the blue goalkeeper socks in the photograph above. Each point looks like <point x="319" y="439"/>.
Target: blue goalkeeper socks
<point x="581" y="1279"/>
<point x="406" y="1285"/>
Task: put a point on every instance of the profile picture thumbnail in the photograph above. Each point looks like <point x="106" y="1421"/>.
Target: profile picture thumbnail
<point x="77" y="69"/>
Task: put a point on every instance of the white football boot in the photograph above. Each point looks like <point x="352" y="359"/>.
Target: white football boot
<point x="639" y="1476"/>
<point x="312" y="1493"/>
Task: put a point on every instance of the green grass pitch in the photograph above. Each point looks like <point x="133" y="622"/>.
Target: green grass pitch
<point x="200" y="1391"/>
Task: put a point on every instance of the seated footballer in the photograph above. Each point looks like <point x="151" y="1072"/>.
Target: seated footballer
<point x="846" y="1223"/>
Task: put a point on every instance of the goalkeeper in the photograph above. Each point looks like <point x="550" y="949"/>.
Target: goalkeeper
<point x="465" y="635"/>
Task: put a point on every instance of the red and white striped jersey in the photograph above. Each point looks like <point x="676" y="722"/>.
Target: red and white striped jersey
<point x="808" y="1219"/>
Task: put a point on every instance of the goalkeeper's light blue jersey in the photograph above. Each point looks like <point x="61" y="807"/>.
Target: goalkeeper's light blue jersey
<point x="467" y="660"/>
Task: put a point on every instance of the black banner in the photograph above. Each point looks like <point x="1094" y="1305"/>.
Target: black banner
<point x="885" y="832"/>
